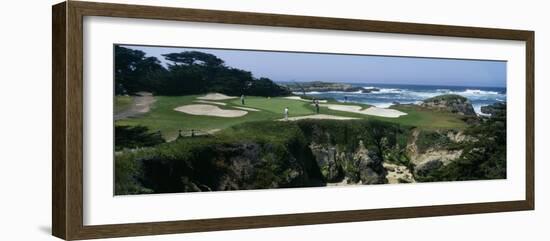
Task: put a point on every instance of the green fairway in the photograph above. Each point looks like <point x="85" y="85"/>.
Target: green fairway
<point x="162" y="116"/>
<point x="429" y="119"/>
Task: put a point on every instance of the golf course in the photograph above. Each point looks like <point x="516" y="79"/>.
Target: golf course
<point x="194" y="123"/>
<point x="164" y="117"/>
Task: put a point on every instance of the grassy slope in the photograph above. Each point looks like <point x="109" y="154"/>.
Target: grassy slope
<point x="163" y="117"/>
<point x="122" y="103"/>
<point x="429" y="119"/>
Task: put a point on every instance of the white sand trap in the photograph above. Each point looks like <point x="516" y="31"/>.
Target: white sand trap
<point x="384" y="112"/>
<point x="245" y="108"/>
<point x="320" y="116"/>
<point x="375" y="111"/>
<point x="216" y="96"/>
<point x="347" y="108"/>
<point x="300" y="98"/>
<point x="209" y="102"/>
<point x="210" y="110"/>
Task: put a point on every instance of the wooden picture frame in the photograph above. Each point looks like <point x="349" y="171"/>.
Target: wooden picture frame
<point x="67" y="150"/>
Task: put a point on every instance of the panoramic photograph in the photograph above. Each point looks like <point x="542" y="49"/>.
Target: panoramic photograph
<point x="203" y="120"/>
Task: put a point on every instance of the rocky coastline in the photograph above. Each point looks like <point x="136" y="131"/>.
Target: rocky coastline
<point x="319" y="86"/>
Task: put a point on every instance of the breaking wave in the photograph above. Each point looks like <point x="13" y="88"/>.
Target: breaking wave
<point x="385" y="96"/>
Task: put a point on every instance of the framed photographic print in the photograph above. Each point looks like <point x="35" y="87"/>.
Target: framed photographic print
<point x="171" y="120"/>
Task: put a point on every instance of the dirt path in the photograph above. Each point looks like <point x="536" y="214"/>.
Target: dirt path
<point x="141" y="104"/>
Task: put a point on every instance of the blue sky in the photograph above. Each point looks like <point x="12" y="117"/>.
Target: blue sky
<point x="290" y="66"/>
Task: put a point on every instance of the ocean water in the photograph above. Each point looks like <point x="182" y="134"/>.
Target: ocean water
<point x="409" y="94"/>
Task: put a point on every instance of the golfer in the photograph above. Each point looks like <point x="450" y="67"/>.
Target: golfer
<point x="286" y="113"/>
<point x="242" y="99"/>
<point x="317" y="106"/>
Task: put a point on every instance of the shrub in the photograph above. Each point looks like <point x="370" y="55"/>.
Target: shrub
<point x="135" y="136"/>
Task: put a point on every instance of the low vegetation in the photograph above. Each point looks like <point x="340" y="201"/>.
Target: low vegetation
<point x="130" y="137"/>
<point x="249" y="156"/>
<point x="484" y="155"/>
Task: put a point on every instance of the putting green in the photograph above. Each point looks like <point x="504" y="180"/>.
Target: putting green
<point x="276" y="105"/>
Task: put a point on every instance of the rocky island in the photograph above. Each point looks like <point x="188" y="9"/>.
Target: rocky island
<point x="453" y="103"/>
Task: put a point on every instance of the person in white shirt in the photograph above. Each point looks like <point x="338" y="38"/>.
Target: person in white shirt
<point x="286" y="113"/>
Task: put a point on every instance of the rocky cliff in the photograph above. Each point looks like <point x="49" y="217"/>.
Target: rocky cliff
<point x="238" y="166"/>
<point x="306" y="153"/>
<point x="426" y="151"/>
<point x="438" y="153"/>
<point x="357" y="166"/>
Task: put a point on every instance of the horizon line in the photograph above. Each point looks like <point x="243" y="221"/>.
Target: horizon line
<point x="374" y="83"/>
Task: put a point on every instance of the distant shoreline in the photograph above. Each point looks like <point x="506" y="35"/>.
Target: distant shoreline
<point x="391" y="84"/>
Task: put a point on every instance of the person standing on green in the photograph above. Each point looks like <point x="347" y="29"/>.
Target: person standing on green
<point x="286" y="113"/>
<point x="316" y="105"/>
<point x="242" y="99"/>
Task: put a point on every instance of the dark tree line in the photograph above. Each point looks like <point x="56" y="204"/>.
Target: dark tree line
<point x="189" y="72"/>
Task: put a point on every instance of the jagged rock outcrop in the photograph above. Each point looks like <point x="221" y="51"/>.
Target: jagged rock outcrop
<point x="398" y="173"/>
<point x="459" y="136"/>
<point x="433" y="157"/>
<point x="452" y="103"/>
<point x="329" y="159"/>
<point x="370" y="167"/>
<point x="358" y="166"/>
<point x="496" y="108"/>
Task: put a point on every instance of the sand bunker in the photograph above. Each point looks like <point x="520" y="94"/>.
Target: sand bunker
<point x="209" y="102"/>
<point x="320" y="116"/>
<point x="245" y="108"/>
<point x="210" y="110"/>
<point x="216" y="96"/>
<point x="300" y="98"/>
<point x="375" y="111"/>
<point x="391" y="113"/>
<point x="347" y="108"/>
